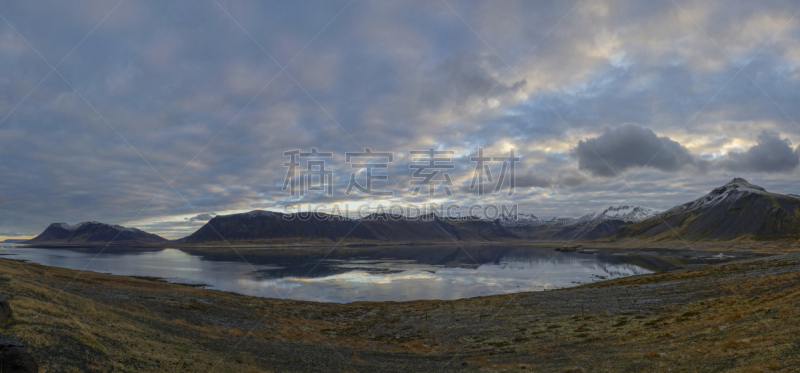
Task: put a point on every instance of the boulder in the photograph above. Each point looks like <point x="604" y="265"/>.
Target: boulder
<point x="14" y="358"/>
<point x="5" y="309"/>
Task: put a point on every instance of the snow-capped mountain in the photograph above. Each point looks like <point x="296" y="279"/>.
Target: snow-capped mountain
<point x="735" y="210"/>
<point x="520" y="220"/>
<point x="623" y="212"/>
<point x="728" y="193"/>
<point x="560" y="220"/>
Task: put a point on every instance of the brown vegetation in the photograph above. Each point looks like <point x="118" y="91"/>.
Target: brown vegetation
<point x="741" y="316"/>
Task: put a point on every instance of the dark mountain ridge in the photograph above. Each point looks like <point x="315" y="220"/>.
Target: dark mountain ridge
<point x="259" y="226"/>
<point x="94" y="233"/>
<point x="734" y="211"/>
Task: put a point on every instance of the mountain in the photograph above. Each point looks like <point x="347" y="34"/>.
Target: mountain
<point x="14" y="240"/>
<point x="269" y="226"/>
<point x="577" y="230"/>
<point x="736" y="210"/>
<point x="631" y="213"/>
<point x="560" y="221"/>
<point x="520" y="220"/>
<point x="599" y="224"/>
<point x="589" y="230"/>
<point x="94" y="233"/>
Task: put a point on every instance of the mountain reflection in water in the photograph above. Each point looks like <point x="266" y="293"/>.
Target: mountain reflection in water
<point x="348" y="274"/>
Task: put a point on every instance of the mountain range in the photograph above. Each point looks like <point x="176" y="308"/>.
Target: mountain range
<point x="257" y="226"/>
<point x="624" y="212"/>
<point x="736" y="210"/>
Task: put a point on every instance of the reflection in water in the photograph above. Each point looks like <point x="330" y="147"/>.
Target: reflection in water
<point x="371" y="274"/>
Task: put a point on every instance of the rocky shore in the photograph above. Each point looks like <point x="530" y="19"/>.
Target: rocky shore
<point x="736" y="316"/>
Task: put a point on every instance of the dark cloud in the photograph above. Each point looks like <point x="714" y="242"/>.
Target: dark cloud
<point x="628" y="146"/>
<point x="572" y="179"/>
<point x="771" y="154"/>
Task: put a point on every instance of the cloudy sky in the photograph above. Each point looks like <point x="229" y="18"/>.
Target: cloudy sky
<point x="158" y="115"/>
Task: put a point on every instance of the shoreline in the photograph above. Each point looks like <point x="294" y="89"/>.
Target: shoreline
<point x="767" y="246"/>
<point x="650" y="259"/>
<point x="740" y="315"/>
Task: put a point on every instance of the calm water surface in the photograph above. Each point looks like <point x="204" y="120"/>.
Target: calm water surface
<point x="372" y="274"/>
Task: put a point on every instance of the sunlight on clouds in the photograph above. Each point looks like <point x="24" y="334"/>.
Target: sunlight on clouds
<point x="391" y="76"/>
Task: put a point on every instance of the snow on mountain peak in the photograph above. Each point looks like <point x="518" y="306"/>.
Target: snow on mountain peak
<point x="738" y="182"/>
<point x="623" y="212"/>
<point x="561" y="220"/>
<point x="519" y="220"/>
<point x="731" y="191"/>
<point x="67" y="226"/>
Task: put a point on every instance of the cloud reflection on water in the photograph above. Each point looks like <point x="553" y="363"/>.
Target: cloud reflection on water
<point x="407" y="274"/>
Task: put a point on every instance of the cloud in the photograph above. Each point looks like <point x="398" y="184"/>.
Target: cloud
<point x="771" y="154"/>
<point x="468" y="75"/>
<point x="202" y="217"/>
<point x="13" y="234"/>
<point x="532" y="180"/>
<point x="628" y="146"/>
<point x="390" y="76"/>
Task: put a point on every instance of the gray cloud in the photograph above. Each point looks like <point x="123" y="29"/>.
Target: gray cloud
<point x="201" y="217"/>
<point x="771" y="154"/>
<point x="468" y="75"/>
<point x="628" y="146"/>
<point x="391" y="76"/>
<point x="533" y="180"/>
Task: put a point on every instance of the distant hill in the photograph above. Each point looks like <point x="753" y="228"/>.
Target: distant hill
<point x="268" y="226"/>
<point x="587" y="230"/>
<point x="94" y="233"/>
<point x="518" y="220"/>
<point x="14" y="240"/>
<point x="590" y="230"/>
<point x="736" y="210"/>
<point x="599" y="224"/>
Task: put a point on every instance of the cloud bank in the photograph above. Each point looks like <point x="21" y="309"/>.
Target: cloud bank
<point x="771" y="154"/>
<point x="630" y="146"/>
<point x="207" y="97"/>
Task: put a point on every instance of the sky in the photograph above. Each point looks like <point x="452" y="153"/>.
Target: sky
<point x="159" y="115"/>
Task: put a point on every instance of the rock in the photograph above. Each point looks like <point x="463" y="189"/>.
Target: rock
<point x="567" y="249"/>
<point x="5" y="309"/>
<point x="14" y="358"/>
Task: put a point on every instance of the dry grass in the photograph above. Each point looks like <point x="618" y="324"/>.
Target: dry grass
<point x="652" y="354"/>
<point x="750" y="324"/>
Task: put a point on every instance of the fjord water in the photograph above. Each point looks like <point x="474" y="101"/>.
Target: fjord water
<point x="347" y="275"/>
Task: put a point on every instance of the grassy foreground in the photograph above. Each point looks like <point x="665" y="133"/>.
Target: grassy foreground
<point x="741" y="316"/>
